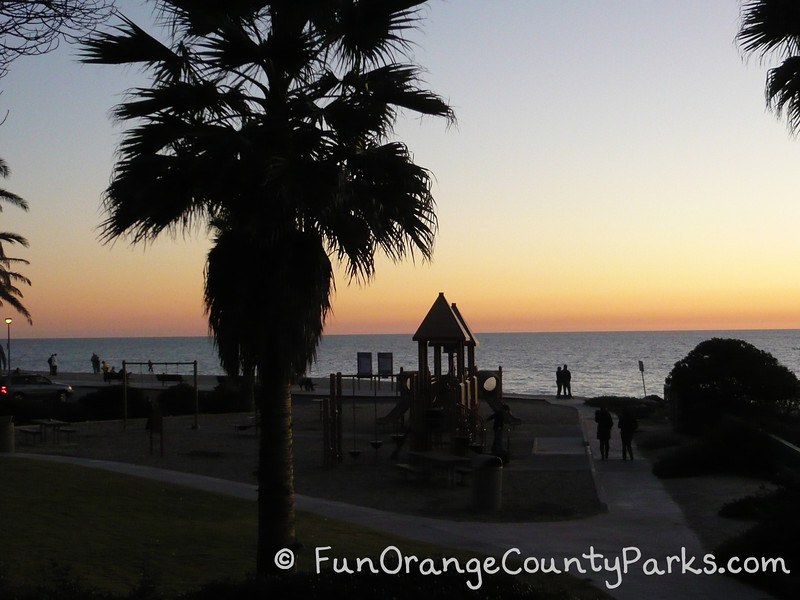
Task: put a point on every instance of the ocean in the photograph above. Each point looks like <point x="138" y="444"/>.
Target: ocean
<point x="601" y="363"/>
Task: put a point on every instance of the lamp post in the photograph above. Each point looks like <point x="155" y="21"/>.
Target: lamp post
<point x="8" y="346"/>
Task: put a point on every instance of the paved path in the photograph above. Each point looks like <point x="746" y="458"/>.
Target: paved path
<point x="641" y="518"/>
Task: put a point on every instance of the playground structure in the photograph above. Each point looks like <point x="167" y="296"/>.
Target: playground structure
<point x="443" y="402"/>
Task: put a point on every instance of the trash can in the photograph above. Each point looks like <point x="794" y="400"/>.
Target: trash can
<point x="487" y="484"/>
<point x="6" y="434"/>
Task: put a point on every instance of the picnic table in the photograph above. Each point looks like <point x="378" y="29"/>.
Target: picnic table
<point x="433" y="461"/>
<point x="54" y="425"/>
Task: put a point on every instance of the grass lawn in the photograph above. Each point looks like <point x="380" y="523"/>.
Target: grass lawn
<point x="113" y="533"/>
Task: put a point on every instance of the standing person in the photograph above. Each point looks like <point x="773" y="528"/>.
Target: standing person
<point x="501" y="418"/>
<point x="627" y="425"/>
<point x="567" y="376"/>
<point x="604" y="424"/>
<point x="95" y="363"/>
<point x="559" y="382"/>
<point x="53" y="362"/>
<point x="104" y="367"/>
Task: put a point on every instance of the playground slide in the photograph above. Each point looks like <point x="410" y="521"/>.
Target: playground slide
<point x="396" y="414"/>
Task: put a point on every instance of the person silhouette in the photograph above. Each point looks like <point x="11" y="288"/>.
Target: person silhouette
<point x="501" y="418"/>
<point x="627" y="425"/>
<point x="53" y="363"/>
<point x="604" y="424"/>
<point x="567" y="377"/>
<point x="559" y="382"/>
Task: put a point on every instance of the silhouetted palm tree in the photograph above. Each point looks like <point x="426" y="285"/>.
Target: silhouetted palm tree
<point x="10" y="294"/>
<point x="270" y="123"/>
<point x="772" y="27"/>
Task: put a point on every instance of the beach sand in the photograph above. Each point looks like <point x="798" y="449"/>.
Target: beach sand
<point x="539" y="483"/>
<point x="550" y="476"/>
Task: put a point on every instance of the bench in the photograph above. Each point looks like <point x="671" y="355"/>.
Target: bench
<point x="245" y="426"/>
<point x="30" y="432"/>
<point x="171" y="377"/>
<point x="68" y="431"/>
<point x="115" y="376"/>
<point x="417" y="472"/>
<point x="462" y="473"/>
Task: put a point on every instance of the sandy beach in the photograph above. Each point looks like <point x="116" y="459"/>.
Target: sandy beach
<point x="551" y="475"/>
<point x="537" y="485"/>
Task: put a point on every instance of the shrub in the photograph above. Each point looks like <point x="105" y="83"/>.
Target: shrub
<point x="324" y="586"/>
<point x="773" y="538"/>
<point x="107" y="403"/>
<point x="763" y="505"/>
<point x="226" y="398"/>
<point x="728" y="375"/>
<point x="27" y="410"/>
<point x="640" y="408"/>
<point x="177" y="399"/>
<point x="730" y="447"/>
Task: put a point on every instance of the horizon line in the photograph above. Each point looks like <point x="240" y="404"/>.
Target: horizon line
<point x="410" y="333"/>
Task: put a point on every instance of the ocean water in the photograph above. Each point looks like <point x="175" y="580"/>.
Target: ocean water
<point x="601" y="363"/>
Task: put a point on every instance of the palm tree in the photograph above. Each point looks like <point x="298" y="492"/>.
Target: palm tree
<point x="772" y="27"/>
<point x="10" y="293"/>
<point x="270" y="122"/>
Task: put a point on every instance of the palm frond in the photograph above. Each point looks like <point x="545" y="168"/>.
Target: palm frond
<point x="783" y="91"/>
<point x="11" y="295"/>
<point x="396" y="84"/>
<point x="13" y="238"/>
<point x="770" y="26"/>
<point x="11" y="198"/>
<point x="373" y="30"/>
<point x="130" y="44"/>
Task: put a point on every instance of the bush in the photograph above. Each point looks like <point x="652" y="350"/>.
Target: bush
<point x="177" y="399"/>
<point x="728" y="375"/>
<point x="640" y="408"/>
<point x="226" y="398"/>
<point x="773" y="538"/>
<point x="107" y="403"/>
<point x="27" y="410"/>
<point x="763" y="505"/>
<point x="324" y="586"/>
<point x="732" y="447"/>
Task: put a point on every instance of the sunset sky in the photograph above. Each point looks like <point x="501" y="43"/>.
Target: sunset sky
<point x="613" y="168"/>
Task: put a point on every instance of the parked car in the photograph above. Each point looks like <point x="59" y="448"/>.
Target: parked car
<point x="30" y="386"/>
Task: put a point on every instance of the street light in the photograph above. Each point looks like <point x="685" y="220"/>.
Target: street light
<point x="8" y="347"/>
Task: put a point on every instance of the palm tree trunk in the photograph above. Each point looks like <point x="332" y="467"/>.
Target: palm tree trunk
<point x="276" y="511"/>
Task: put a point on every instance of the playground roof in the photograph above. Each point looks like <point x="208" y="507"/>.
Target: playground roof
<point x="444" y="324"/>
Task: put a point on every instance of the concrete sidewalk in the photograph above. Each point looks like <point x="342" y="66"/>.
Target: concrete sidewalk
<point x="642" y="521"/>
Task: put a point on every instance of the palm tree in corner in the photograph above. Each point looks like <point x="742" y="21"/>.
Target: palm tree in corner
<point x="270" y="123"/>
<point x="10" y="294"/>
<point x="771" y="27"/>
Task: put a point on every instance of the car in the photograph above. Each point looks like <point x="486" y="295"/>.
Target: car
<point x="24" y="386"/>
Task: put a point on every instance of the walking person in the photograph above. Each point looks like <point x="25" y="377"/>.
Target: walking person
<point x="627" y="425"/>
<point x="604" y="424"/>
<point x="567" y="377"/>
<point x="559" y="382"/>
